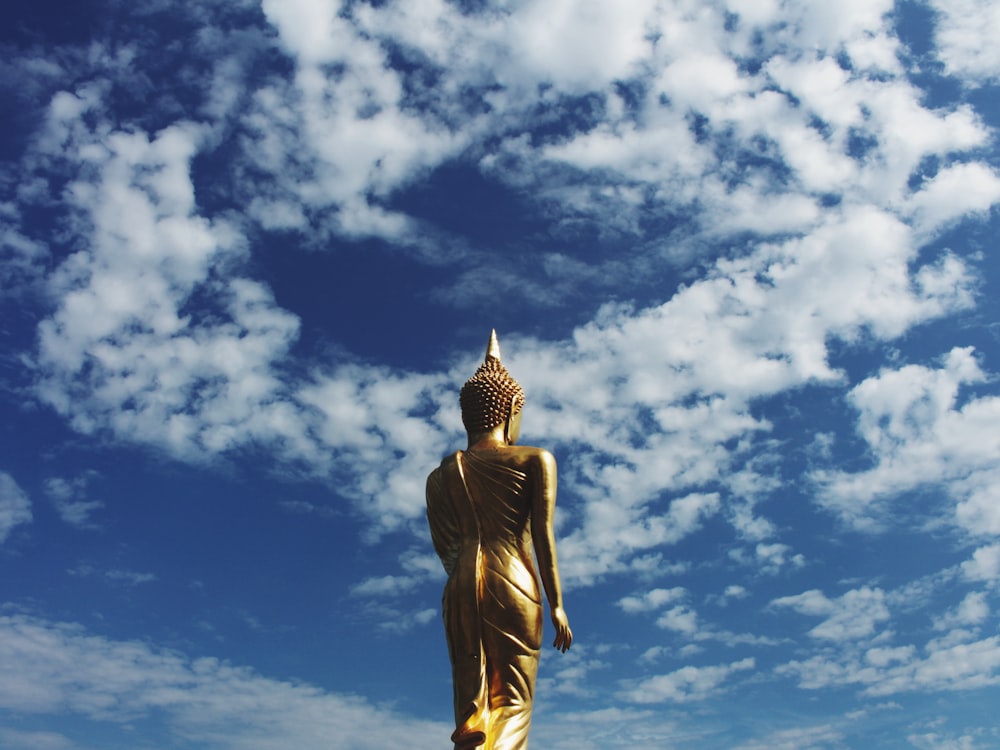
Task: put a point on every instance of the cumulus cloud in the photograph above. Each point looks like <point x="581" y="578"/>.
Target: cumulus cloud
<point x="971" y="612"/>
<point x="117" y="576"/>
<point x="954" y="192"/>
<point x="964" y="40"/>
<point x="22" y="258"/>
<point x="677" y="615"/>
<point x="15" y="506"/>
<point x="34" y="740"/>
<point x="851" y="616"/>
<point x="858" y="646"/>
<point x="362" y="138"/>
<point x="50" y="667"/>
<point x="686" y="684"/>
<point x="120" y="352"/>
<point x="918" y="434"/>
<point x="613" y="727"/>
<point x="651" y="600"/>
<point x="771" y="558"/>
<point x="984" y="565"/>
<point x="734" y="591"/>
<point x="799" y="738"/>
<point x="381" y="596"/>
<point x="70" y="499"/>
<point x="939" y="666"/>
<point x="572" y="673"/>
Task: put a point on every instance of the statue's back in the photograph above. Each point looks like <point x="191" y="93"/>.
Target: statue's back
<point x="479" y="509"/>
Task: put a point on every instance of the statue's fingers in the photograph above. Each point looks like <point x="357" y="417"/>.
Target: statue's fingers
<point x="563" y="639"/>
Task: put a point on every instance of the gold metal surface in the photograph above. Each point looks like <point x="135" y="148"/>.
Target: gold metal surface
<point x="490" y="512"/>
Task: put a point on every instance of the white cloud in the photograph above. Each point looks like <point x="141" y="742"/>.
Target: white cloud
<point x="850" y="617"/>
<point x="757" y="208"/>
<point x="749" y="526"/>
<point x="351" y="128"/>
<point x="542" y="42"/>
<point x="940" y="666"/>
<point x="953" y="193"/>
<point x="15" y="506"/>
<point x="21" y="257"/>
<point x="820" y="25"/>
<point x="122" y="351"/>
<point x="919" y="434"/>
<point x="604" y="728"/>
<point x="69" y="497"/>
<point x="571" y="673"/>
<point x="964" y="38"/>
<point x="880" y="656"/>
<point x="115" y="575"/>
<point x="379" y="594"/>
<point x="576" y="48"/>
<point x="979" y="512"/>
<point x="14" y="739"/>
<point x="314" y="30"/>
<point x="683" y="621"/>
<point x="610" y="535"/>
<point x="383" y="586"/>
<point x="735" y="591"/>
<point x="934" y="741"/>
<point x="686" y="684"/>
<point x="391" y="620"/>
<point x="984" y="565"/>
<point x="700" y="80"/>
<point x="680" y="619"/>
<point x="755" y="326"/>
<point x="771" y="558"/>
<point x="651" y="600"/>
<point x="876" y="104"/>
<point x="129" y="577"/>
<point x="799" y="738"/>
<point x="930" y="737"/>
<point x="48" y="668"/>
<point x="972" y="611"/>
<point x="367" y="415"/>
<point x="860" y="655"/>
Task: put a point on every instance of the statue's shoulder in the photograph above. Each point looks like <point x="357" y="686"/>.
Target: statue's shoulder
<point x="449" y="462"/>
<point x="535" y="452"/>
<point x="528" y="455"/>
<point x="443" y="474"/>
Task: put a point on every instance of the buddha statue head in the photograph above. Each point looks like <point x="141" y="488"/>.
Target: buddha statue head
<point x="491" y="397"/>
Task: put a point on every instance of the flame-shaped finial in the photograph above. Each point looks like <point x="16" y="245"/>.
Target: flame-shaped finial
<point x="493" y="348"/>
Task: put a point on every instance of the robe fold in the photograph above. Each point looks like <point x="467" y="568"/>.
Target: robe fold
<point x="479" y="512"/>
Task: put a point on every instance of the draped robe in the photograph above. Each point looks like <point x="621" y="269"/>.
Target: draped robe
<point x="479" y="512"/>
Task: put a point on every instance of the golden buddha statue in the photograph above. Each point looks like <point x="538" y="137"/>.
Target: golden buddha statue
<point x="488" y="508"/>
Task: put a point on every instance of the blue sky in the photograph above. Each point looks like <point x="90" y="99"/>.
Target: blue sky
<point x="741" y="255"/>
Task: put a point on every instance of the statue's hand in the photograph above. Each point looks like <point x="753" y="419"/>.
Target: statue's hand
<point x="564" y="636"/>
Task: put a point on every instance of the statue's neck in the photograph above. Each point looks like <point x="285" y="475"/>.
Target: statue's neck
<point x="487" y="440"/>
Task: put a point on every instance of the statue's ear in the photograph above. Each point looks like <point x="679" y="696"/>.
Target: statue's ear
<point x="510" y="416"/>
